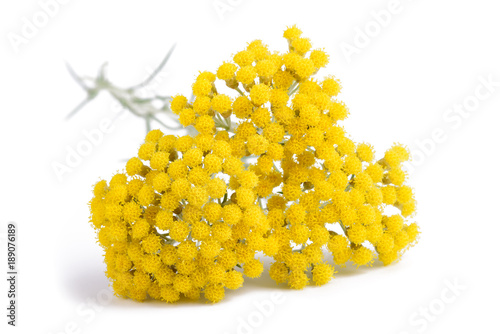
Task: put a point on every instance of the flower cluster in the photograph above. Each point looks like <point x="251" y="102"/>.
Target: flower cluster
<point x="270" y="172"/>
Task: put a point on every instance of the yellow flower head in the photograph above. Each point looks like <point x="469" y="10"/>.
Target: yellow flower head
<point x="270" y="170"/>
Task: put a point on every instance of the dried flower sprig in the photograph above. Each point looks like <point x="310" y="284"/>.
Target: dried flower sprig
<point x="148" y="108"/>
<point x="187" y="216"/>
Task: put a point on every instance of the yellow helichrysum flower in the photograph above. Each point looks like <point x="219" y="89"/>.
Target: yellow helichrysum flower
<point x="266" y="68"/>
<point x="385" y="244"/>
<point x="134" y="166"/>
<point x="362" y="256"/>
<point x="319" y="58"/>
<point x="304" y="67"/>
<point x="365" y="152"/>
<point x="283" y="79"/>
<point x="331" y="86"/>
<point x="169" y="294"/>
<point x="246" y="75"/>
<point x="216" y="188"/>
<point x="257" y="144"/>
<point x="301" y="45"/>
<point x="242" y="107"/>
<point x="260" y="94"/>
<point x="226" y="71"/>
<point x="322" y="273"/>
<point x="258" y="49"/>
<point x="221" y="103"/>
<point x="233" y="280"/>
<point x="184" y="143"/>
<point x="221" y="231"/>
<point x="297" y="279"/>
<point x="153" y="136"/>
<point x="292" y="33"/>
<point x="232" y="214"/>
<point x="212" y="212"/>
<point x="151" y="244"/>
<point x="206" y="75"/>
<point x="214" y="292"/>
<point x="244" y="58"/>
<point x="187" y="116"/>
<point x="192" y="211"/>
<point x="205" y="125"/>
<point x="201" y="105"/>
<point x="202" y="87"/>
<point x="299" y="233"/>
<point x="278" y="272"/>
<point x="178" y="103"/>
<point x="261" y="117"/>
<point x="253" y="268"/>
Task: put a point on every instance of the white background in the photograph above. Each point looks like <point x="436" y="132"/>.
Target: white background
<point x="428" y="58"/>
